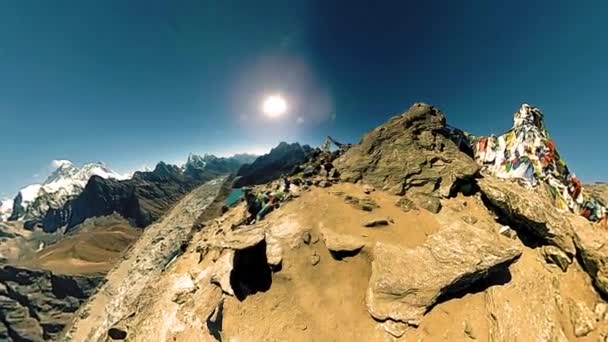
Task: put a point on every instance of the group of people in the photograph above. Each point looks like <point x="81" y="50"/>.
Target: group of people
<point x="261" y="204"/>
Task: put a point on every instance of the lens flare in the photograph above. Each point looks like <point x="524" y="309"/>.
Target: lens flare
<point x="274" y="106"/>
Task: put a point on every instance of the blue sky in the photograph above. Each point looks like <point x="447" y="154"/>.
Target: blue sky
<point x="134" y="82"/>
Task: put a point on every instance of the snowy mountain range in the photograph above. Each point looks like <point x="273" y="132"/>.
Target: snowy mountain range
<point x="6" y="208"/>
<point x="64" y="183"/>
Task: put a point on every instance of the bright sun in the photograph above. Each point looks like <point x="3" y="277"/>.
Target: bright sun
<point x="274" y="106"/>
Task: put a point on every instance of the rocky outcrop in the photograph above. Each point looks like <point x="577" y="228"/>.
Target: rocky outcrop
<point x="340" y="243"/>
<point x="146" y="259"/>
<point x="280" y="161"/>
<point x="527" y="307"/>
<point x="405" y="283"/>
<point x="143" y="199"/>
<point x="598" y="190"/>
<point x="530" y="210"/>
<point x="592" y="244"/>
<point x="36" y="305"/>
<point x="410" y="153"/>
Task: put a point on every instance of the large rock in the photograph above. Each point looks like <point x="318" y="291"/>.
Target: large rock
<point x="336" y="242"/>
<point x="592" y="244"/>
<point x="405" y="283"/>
<point x="528" y="306"/>
<point x="530" y="209"/>
<point x="36" y="305"/>
<point x="411" y="152"/>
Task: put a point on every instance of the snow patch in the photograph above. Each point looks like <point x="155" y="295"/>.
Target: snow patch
<point x="57" y="163"/>
<point x="6" y="208"/>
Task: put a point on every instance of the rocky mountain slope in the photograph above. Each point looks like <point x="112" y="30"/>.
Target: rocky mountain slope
<point x="40" y="295"/>
<point x="160" y="243"/>
<point x="281" y="160"/>
<point x="399" y="237"/>
<point x="64" y="183"/>
<point x="97" y="227"/>
<point x="35" y="305"/>
<point x="142" y="199"/>
<point x="599" y="190"/>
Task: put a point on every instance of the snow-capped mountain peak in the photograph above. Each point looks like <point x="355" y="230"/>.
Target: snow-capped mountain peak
<point x="6" y="207"/>
<point x="66" y="181"/>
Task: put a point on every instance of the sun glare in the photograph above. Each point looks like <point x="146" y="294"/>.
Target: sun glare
<point x="274" y="106"/>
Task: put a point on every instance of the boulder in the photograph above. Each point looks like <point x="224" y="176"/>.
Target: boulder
<point x="411" y="152"/>
<point x="405" y="283"/>
<point x="592" y="244"/>
<point x="405" y="204"/>
<point x="430" y="203"/>
<point x="556" y="256"/>
<point x="529" y="209"/>
<point x="336" y="242"/>
<point x="528" y="306"/>
<point x="582" y="318"/>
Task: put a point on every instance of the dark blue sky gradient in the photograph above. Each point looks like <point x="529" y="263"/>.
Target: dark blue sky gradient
<point x="134" y="82"/>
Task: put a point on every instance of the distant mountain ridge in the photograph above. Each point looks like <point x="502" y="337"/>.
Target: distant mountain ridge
<point x="279" y="161"/>
<point x="64" y="183"/>
<point x="141" y="199"/>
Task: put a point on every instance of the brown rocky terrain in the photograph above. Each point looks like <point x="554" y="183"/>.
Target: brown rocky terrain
<point x="93" y="248"/>
<point x="599" y="190"/>
<point x="399" y="237"/>
<point x="43" y="287"/>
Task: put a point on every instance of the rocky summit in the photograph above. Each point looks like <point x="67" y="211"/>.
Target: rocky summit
<point x="408" y="235"/>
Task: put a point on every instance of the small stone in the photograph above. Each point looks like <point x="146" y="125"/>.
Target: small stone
<point x="117" y="333"/>
<point x="308" y="171"/>
<point x="367" y="189"/>
<point x="323" y="173"/>
<point x="395" y="329"/>
<point x="556" y="256"/>
<point x="306" y="237"/>
<point x="365" y="204"/>
<point x="333" y="173"/>
<point x="601" y="311"/>
<point x="508" y="232"/>
<point x="376" y="223"/>
<point x="582" y="318"/>
<point x="470" y="219"/>
<point x="468" y="330"/>
<point x="315" y="259"/>
<point x="405" y="204"/>
<point x="430" y="203"/>
<point x="324" y="184"/>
